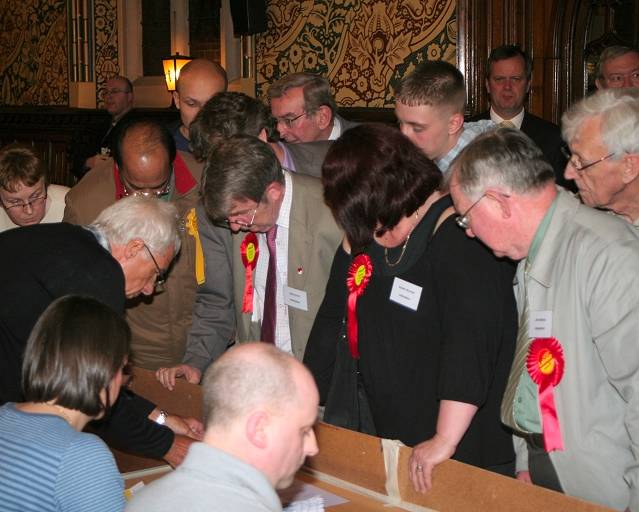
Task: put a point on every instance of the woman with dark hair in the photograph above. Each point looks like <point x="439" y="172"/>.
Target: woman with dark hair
<point x="71" y="374"/>
<point x="415" y="337"/>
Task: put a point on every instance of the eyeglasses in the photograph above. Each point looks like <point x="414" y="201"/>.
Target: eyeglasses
<point x="160" y="278"/>
<point x="162" y="190"/>
<point x="288" y="121"/>
<point x="463" y="220"/>
<point x="27" y="204"/>
<point x="228" y="220"/>
<point x="576" y="163"/>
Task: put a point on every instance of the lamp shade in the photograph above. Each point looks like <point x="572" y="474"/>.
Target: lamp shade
<point x="172" y="66"/>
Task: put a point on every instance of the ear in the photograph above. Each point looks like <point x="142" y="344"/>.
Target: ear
<point x="274" y="191"/>
<point x="133" y="247"/>
<point x="488" y="85"/>
<point x="502" y="201"/>
<point x="599" y="84"/>
<point x="631" y="167"/>
<point x="176" y="99"/>
<point x="262" y="135"/>
<point x="324" y="117"/>
<point x="256" y="429"/>
<point x="455" y="123"/>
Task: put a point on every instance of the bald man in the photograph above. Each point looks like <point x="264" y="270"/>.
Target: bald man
<point x="199" y="80"/>
<point x="260" y="405"/>
<point x="147" y="164"/>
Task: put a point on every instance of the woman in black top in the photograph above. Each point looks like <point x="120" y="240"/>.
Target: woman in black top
<point x="435" y="313"/>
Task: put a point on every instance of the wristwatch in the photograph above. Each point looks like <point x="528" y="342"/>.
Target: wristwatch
<point x="161" y="419"/>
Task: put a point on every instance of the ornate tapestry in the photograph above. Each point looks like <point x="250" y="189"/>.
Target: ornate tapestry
<point x="33" y="61"/>
<point x="363" y="46"/>
<point x="106" y="45"/>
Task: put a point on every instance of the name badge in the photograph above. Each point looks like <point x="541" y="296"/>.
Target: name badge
<point x="540" y="324"/>
<point x="405" y="293"/>
<point x="295" y="298"/>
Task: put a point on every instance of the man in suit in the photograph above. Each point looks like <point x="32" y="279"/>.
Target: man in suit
<point x="508" y="81"/>
<point x="571" y="397"/>
<point x="123" y="254"/>
<point x="602" y="131"/>
<point x="231" y="113"/>
<point x="304" y="108"/>
<point x="618" y="67"/>
<point x="147" y="164"/>
<point x="266" y="276"/>
<point x="198" y="82"/>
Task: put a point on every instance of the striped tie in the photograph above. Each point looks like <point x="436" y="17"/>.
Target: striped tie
<point x="507" y="124"/>
<point x="519" y="362"/>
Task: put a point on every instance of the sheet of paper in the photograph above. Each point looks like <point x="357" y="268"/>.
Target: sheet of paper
<point x="300" y="491"/>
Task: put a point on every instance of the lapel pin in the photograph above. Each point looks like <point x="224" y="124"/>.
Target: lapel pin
<point x="300" y="271"/>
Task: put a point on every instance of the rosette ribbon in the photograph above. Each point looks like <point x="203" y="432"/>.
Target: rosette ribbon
<point x="191" y="225"/>
<point x="359" y="274"/>
<point x="545" y="364"/>
<point x="249" y="251"/>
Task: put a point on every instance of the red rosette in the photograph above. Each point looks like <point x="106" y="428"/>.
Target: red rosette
<point x="358" y="277"/>
<point x="545" y="364"/>
<point x="249" y="250"/>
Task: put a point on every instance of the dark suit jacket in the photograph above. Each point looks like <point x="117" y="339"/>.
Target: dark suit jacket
<point x="308" y="157"/>
<point x="39" y="264"/>
<point x="547" y="136"/>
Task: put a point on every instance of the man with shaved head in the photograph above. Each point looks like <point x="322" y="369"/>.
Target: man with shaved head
<point x="146" y="163"/>
<point x="260" y="405"/>
<point x="199" y="80"/>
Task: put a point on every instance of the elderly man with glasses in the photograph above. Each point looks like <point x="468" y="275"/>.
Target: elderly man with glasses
<point x="268" y="241"/>
<point x="602" y="132"/>
<point x="147" y="164"/>
<point x="572" y="395"/>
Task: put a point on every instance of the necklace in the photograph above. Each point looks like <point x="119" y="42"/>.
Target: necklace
<point x="401" y="254"/>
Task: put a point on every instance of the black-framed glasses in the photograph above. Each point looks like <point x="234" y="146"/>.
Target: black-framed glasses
<point x="463" y="220"/>
<point x="240" y="223"/>
<point x="576" y="163"/>
<point x="160" y="277"/>
<point x="25" y="204"/>
<point x="157" y="192"/>
<point x="288" y="121"/>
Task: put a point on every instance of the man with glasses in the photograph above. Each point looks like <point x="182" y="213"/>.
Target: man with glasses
<point x="572" y="396"/>
<point x="119" y="256"/>
<point x="268" y="241"/>
<point x="602" y="132"/>
<point x="618" y="67"/>
<point x="305" y="110"/>
<point x="25" y="196"/>
<point x="117" y="96"/>
<point x="147" y="164"/>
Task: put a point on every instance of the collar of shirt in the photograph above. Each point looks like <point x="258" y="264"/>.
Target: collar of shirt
<point x="285" y="209"/>
<point x="337" y="128"/>
<point x="517" y="120"/>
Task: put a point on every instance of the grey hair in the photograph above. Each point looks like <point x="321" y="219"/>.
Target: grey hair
<point x="316" y="89"/>
<point x="504" y="158"/>
<point x="153" y="221"/>
<point x="619" y="112"/>
<point x="237" y="384"/>
<point x="612" y="52"/>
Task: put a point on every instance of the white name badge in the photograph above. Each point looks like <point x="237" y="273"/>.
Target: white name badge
<point x="540" y="324"/>
<point x="295" y="298"/>
<point x="405" y="293"/>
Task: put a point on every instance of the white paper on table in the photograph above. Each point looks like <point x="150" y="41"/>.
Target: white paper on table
<point x="300" y="491"/>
